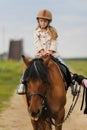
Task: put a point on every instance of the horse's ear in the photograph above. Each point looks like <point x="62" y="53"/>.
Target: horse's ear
<point x="26" y="60"/>
<point x="46" y="60"/>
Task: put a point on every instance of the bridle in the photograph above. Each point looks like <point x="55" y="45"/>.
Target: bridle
<point x="45" y="107"/>
<point x="38" y="94"/>
<point x="42" y="96"/>
<point x="28" y="95"/>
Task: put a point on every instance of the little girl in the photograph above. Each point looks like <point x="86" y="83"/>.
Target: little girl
<point x="45" y="41"/>
<point x="45" y="36"/>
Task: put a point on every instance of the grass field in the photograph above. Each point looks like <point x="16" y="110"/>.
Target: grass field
<point x="78" y="66"/>
<point x="11" y="71"/>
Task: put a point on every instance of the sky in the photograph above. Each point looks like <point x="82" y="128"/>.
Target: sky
<point x="18" y="21"/>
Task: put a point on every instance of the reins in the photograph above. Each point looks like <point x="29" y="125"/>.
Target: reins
<point x="72" y="106"/>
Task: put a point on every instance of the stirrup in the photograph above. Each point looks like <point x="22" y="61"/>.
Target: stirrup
<point x="74" y="90"/>
<point x="21" y="89"/>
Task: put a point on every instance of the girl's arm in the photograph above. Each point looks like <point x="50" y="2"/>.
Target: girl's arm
<point x="53" y="46"/>
<point x="37" y="43"/>
<point x="38" y="46"/>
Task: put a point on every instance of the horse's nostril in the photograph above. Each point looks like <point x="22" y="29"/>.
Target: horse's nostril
<point x="35" y="113"/>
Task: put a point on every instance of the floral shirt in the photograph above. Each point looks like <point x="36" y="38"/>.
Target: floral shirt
<point x="42" y="40"/>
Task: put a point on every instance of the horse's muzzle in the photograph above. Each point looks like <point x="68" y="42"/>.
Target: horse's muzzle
<point x="35" y="114"/>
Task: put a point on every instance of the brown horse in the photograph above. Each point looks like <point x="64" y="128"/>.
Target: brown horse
<point x="46" y="95"/>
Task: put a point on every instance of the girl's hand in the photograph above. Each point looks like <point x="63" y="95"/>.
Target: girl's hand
<point x="43" y="53"/>
<point x="50" y="52"/>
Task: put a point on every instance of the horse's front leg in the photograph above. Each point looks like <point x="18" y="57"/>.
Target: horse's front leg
<point x="34" y="125"/>
<point x="41" y="125"/>
<point x="59" y="119"/>
<point x="48" y="125"/>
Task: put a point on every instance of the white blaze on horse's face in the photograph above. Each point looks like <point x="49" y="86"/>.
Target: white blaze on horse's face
<point x="37" y="90"/>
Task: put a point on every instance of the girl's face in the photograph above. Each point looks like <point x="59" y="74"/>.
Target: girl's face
<point x="43" y="23"/>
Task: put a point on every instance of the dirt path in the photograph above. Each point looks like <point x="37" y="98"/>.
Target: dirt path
<point x="16" y="116"/>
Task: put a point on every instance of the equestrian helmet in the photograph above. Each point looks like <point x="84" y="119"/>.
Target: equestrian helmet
<point x="45" y="14"/>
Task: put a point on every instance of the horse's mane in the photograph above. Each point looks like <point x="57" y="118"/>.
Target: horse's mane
<point x="37" y="70"/>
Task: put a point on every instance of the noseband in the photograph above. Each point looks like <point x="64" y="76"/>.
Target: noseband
<point x="42" y="96"/>
<point x="28" y="98"/>
<point x="38" y="94"/>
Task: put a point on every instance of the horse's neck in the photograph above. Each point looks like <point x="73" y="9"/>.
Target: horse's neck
<point x="55" y="73"/>
<point x="57" y="84"/>
<point x="57" y="87"/>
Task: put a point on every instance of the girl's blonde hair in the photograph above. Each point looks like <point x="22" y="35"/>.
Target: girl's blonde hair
<point x="52" y="32"/>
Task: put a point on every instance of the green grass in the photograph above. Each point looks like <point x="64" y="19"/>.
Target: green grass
<point x="78" y="66"/>
<point x="10" y="73"/>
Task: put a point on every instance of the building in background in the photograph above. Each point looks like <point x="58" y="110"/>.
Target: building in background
<point x="15" y="49"/>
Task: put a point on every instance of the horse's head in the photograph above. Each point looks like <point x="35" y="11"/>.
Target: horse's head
<point x="37" y="79"/>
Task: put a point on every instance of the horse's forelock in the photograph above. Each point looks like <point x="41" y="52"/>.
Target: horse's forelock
<point x="37" y="70"/>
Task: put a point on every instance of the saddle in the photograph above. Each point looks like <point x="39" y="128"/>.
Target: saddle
<point x="65" y="71"/>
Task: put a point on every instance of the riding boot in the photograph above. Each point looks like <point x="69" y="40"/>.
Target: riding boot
<point x="66" y="73"/>
<point x="70" y="81"/>
<point x="69" y="78"/>
<point x="21" y="88"/>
